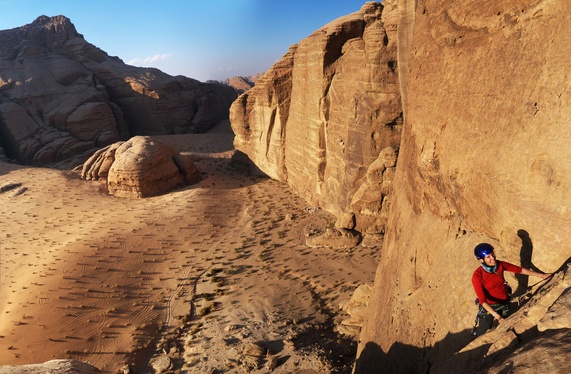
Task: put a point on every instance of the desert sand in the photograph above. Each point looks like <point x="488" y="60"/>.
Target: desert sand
<point x="209" y="278"/>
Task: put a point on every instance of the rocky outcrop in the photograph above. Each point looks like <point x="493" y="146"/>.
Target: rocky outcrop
<point x="61" y="96"/>
<point x="53" y="366"/>
<point x="242" y="84"/>
<point x="140" y="167"/>
<point x="317" y="122"/>
<point x="356" y="308"/>
<point x="484" y="157"/>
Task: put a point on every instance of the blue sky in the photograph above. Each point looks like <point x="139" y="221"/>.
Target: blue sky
<point x="201" y="39"/>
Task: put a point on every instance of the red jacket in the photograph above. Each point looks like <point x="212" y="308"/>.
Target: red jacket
<point x="490" y="287"/>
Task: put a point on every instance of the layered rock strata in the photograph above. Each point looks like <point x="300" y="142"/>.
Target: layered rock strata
<point x="321" y="115"/>
<point x="140" y="167"/>
<point x="484" y="157"/>
<point x="61" y="96"/>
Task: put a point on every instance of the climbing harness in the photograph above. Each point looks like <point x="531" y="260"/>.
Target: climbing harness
<point x="503" y="308"/>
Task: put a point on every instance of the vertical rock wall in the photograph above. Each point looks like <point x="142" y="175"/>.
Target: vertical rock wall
<point x="484" y="157"/>
<point x="322" y="115"/>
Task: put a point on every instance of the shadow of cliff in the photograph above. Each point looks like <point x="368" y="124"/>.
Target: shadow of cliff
<point x="221" y="174"/>
<point x="408" y="359"/>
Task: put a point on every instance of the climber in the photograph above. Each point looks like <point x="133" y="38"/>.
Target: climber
<point x="491" y="288"/>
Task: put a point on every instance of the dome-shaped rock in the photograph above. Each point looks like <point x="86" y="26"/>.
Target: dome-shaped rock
<point x="140" y="167"/>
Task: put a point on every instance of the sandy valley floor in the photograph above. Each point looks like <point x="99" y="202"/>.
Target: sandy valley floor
<point x="210" y="278"/>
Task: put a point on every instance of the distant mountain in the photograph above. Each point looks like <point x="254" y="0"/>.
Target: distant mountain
<point x="61" y="96"/>
<point x="240" y="83"/>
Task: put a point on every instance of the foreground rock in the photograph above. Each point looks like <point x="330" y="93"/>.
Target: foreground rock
<point x="484" y="157"/>
<point x="53" y="366"/>
<point x="62" y="96"/>
<point x="316" y="122"/>
<point x="140" y="167"/>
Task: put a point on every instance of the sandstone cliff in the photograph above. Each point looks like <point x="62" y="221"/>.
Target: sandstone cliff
<point x="60" y="96"/>
<point x="322" y="114"/>
<point x="484" y="157"/>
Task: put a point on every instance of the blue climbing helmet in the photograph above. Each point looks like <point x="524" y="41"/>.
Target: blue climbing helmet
<point x="482" y="250"/>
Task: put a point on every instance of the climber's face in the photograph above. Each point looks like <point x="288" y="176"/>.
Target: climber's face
<point x="490" y="259"/>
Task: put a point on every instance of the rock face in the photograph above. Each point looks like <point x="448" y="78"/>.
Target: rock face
<point x="317" y="122"/>
<point x="62" y="96"/>
<point x="484" y="157"/>
<point x="140" y="167"/>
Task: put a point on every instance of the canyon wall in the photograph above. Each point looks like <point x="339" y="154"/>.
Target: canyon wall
<point x="484" y="157"/>
<point x="61" y="96"/>
<point x="321" y="115"/>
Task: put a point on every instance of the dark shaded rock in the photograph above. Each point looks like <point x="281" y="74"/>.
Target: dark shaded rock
<point x="62" y="96"/>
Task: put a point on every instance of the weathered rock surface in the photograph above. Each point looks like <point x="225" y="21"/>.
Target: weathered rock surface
<point x="316" y="121"/>
<point x="62" y="96"/>
<point x="356" y="308"/>
<point x="371" y="202"/>
<point x="335" y="238"/>
<point x="484" y="157"/>
<point x="53" y="366"/>
<point x="140" y="167"/>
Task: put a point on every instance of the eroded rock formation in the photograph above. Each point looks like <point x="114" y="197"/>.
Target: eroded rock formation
<point x="484" y="157"/>
<point x="140" y="167"/>
<point x="61" y="96"/>
<point x="321" y="115"/>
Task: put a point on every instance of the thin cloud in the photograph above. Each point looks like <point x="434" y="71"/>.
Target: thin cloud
<point x="149" y="60"/>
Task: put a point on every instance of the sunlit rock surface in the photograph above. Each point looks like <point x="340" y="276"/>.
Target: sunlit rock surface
<point x="484" y="157"/>
<point x="140" y="167"/>
<point x="323" y="113"/>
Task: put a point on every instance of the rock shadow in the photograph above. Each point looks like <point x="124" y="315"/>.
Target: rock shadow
<point x="525" y="256"/>
<point x="407" y="359"/>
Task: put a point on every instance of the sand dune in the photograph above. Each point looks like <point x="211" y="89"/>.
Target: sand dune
<point x="185" y="279"/>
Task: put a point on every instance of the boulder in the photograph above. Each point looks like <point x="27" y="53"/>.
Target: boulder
<point x="316" y="122"/>
<point x="254" y="349"/>
<point x="140" y="167"/>
<point x="356" y="308"/>
<point x="62" y="96"/>
<point x="334" y="238"/>
<point x="53" y="366"/>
